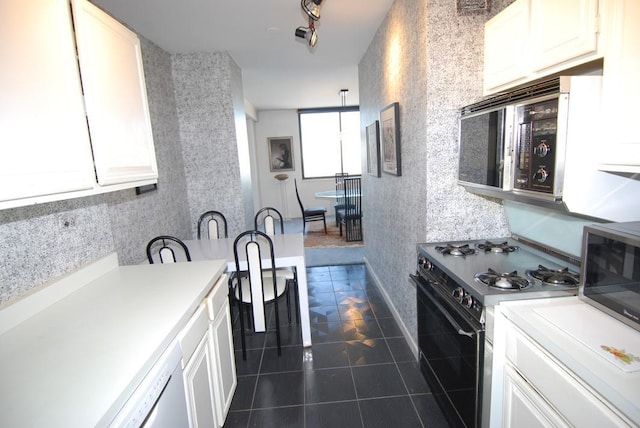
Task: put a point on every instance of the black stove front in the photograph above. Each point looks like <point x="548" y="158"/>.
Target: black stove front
<point x="455" y="282"/>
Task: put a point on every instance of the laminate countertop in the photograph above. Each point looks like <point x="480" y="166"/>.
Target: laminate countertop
<point x="75" y="362"/>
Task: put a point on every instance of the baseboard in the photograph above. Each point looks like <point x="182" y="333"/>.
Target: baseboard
<point x="405" y="332"/>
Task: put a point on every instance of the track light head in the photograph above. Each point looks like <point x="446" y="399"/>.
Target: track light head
<point x="311" y="8"/>
<point x="308" y="33"/>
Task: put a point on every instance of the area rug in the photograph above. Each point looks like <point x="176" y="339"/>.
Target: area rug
<point x="316" y="238"/>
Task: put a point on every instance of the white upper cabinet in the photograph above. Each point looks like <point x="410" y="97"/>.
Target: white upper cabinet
<point x="621" y="89"/>
<point x="506" y="38"/>
<point x="531" y="39"/>
<point x="51" y="147"/>
<point x="44" y="139"/>
<point x="562" y="31"/>
<point x="115" y="96"/>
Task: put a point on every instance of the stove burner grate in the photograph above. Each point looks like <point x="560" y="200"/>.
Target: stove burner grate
<point x="493" y="247"/>
<point x="503" y="281"/>
<point x="456" y="250"/>
<point x="561" y="276"/>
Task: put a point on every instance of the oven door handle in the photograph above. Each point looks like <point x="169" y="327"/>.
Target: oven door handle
<point x="444" y="312"/>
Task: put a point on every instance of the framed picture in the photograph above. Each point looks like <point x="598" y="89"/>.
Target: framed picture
<point x="281" y="153"/>
<point x="373" y="149"/>
<point x="390" y="139"/>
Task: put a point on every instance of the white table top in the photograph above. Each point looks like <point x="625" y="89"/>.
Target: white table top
<point x="76" y="362"/>
<point x="287" y="247"/>
<point x="331" y="194"/>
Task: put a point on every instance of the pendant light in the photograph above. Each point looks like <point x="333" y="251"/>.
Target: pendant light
<point x="311" y="8"/>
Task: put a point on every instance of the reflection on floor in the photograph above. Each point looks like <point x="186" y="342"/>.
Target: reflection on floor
<point x="358" y="373"/>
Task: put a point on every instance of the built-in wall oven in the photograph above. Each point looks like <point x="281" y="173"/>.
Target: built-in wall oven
<point x="457" y="285"/>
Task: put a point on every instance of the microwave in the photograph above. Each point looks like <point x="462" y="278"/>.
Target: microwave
<point x="610" y="270"/>
<point x="514" y="145"/>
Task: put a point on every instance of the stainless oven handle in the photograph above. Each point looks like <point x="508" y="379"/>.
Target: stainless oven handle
<point x="444" y="312"/>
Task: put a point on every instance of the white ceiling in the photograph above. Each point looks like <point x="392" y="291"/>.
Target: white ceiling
<point x="279" y="70"/>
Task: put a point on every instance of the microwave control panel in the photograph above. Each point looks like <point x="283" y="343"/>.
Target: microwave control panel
<point x="536" y="146"/>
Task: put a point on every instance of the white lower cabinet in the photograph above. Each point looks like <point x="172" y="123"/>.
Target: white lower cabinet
<point x="223" y="364"/>
<point x="532" y="388"/>
<point x="208" y="359"/>
<point x="198" y="376"/>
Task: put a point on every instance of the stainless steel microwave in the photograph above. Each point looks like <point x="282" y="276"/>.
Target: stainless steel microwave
<point x="514" y="145"/>
<point x="610" y="271"/>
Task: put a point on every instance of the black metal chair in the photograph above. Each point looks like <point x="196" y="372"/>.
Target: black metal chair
<point x="257" y="281"/>
<point x="266" y="218"/>
<point x="311" y="214"/>
<point x="167" y="249"/>
<point x="351" y="215"/>
<point x="339" y="204"/>
<point x="212" y="225"/>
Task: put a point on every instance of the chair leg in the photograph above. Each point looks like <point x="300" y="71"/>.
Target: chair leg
<point x="324" y="221"/>
<point x="242" y="338"/>
<point x="277" y="314"/>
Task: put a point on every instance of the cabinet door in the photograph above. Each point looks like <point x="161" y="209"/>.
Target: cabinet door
<point x="197" y="379"/>
<point x="506" y="38"/>
<point x="224" y="366"/>
<point x="44" y="142"/>
<point x="523" y="407"/>
<point x="115" y="93"/>
<point x="562" y="31"/>
<point x="621" y="89"/>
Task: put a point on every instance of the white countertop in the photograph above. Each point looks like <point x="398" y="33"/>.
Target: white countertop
<point x="76" y="362"/>
<point x="570" y="342"/>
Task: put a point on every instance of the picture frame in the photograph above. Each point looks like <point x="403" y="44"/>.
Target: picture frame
<point x="390" y="139"/>
<point x="280" y="153"/>
<point x="373" y="149"/>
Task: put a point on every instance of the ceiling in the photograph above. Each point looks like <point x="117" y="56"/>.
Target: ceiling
<point x="279" y="70"/>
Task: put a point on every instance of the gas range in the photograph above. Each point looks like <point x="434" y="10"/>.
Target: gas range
<point x="485" y="272"/>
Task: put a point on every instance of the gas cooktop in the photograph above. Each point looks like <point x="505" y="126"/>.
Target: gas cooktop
<point x="493" y="270"/>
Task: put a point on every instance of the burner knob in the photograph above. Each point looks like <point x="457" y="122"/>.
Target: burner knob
<point x="425" y="263"/>
<point x="467" y="301"/>
<point x="458" y="294"/>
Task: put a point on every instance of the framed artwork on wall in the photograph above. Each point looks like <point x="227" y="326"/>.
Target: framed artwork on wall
<point x="281" y="153"/>
<point x="390" y="139"/>
<point x="373" y="149"/>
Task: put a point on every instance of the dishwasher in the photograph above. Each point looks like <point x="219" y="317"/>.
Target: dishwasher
<point x="159" y="401"/>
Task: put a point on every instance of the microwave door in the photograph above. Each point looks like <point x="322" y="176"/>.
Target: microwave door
<point x="482" y="149"/>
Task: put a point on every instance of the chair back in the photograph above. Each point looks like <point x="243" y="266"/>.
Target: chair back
<point x="167" y="249"/>
<point x="268" y="217"/>
<point x="212" y="225"/>
<point x="295" y="184"/>
<point x="252" y="244"/>
<point x="340" y="176"/>
<point x="353" y="196"/>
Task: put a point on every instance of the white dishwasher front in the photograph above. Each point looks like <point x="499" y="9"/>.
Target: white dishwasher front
<point x="159" y="401"/>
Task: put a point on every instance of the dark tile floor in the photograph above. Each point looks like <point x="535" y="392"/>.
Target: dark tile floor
<point x="358" y="373"/>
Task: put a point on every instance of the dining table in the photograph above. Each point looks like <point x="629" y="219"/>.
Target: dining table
<point x="333" y="194"/>
<point x="289" y="252"/>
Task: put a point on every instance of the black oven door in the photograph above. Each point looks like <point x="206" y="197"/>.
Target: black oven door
<point x="451" y="354"/>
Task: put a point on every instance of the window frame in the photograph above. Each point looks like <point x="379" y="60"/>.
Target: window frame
<point x="319" y="110"/>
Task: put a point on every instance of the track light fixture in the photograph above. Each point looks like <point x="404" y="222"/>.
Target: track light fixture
<point x="308" y="33"/>
<point x="312" y="8"/>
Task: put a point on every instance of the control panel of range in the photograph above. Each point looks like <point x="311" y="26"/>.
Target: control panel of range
<point x="453" y="290"/>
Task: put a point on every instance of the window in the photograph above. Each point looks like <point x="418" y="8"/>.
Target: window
<point x="330" y="142"/>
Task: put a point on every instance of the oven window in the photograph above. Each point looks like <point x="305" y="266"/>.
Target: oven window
<point x="482" y="148"/>
<point x="451" y="362"/>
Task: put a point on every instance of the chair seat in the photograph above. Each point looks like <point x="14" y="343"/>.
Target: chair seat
<point x="286" y="272"/>
<point x="267" y="287"/>
<point x="315" y="211"/>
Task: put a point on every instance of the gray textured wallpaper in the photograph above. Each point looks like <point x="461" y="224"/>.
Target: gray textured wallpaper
<point x="439" y="70"/>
